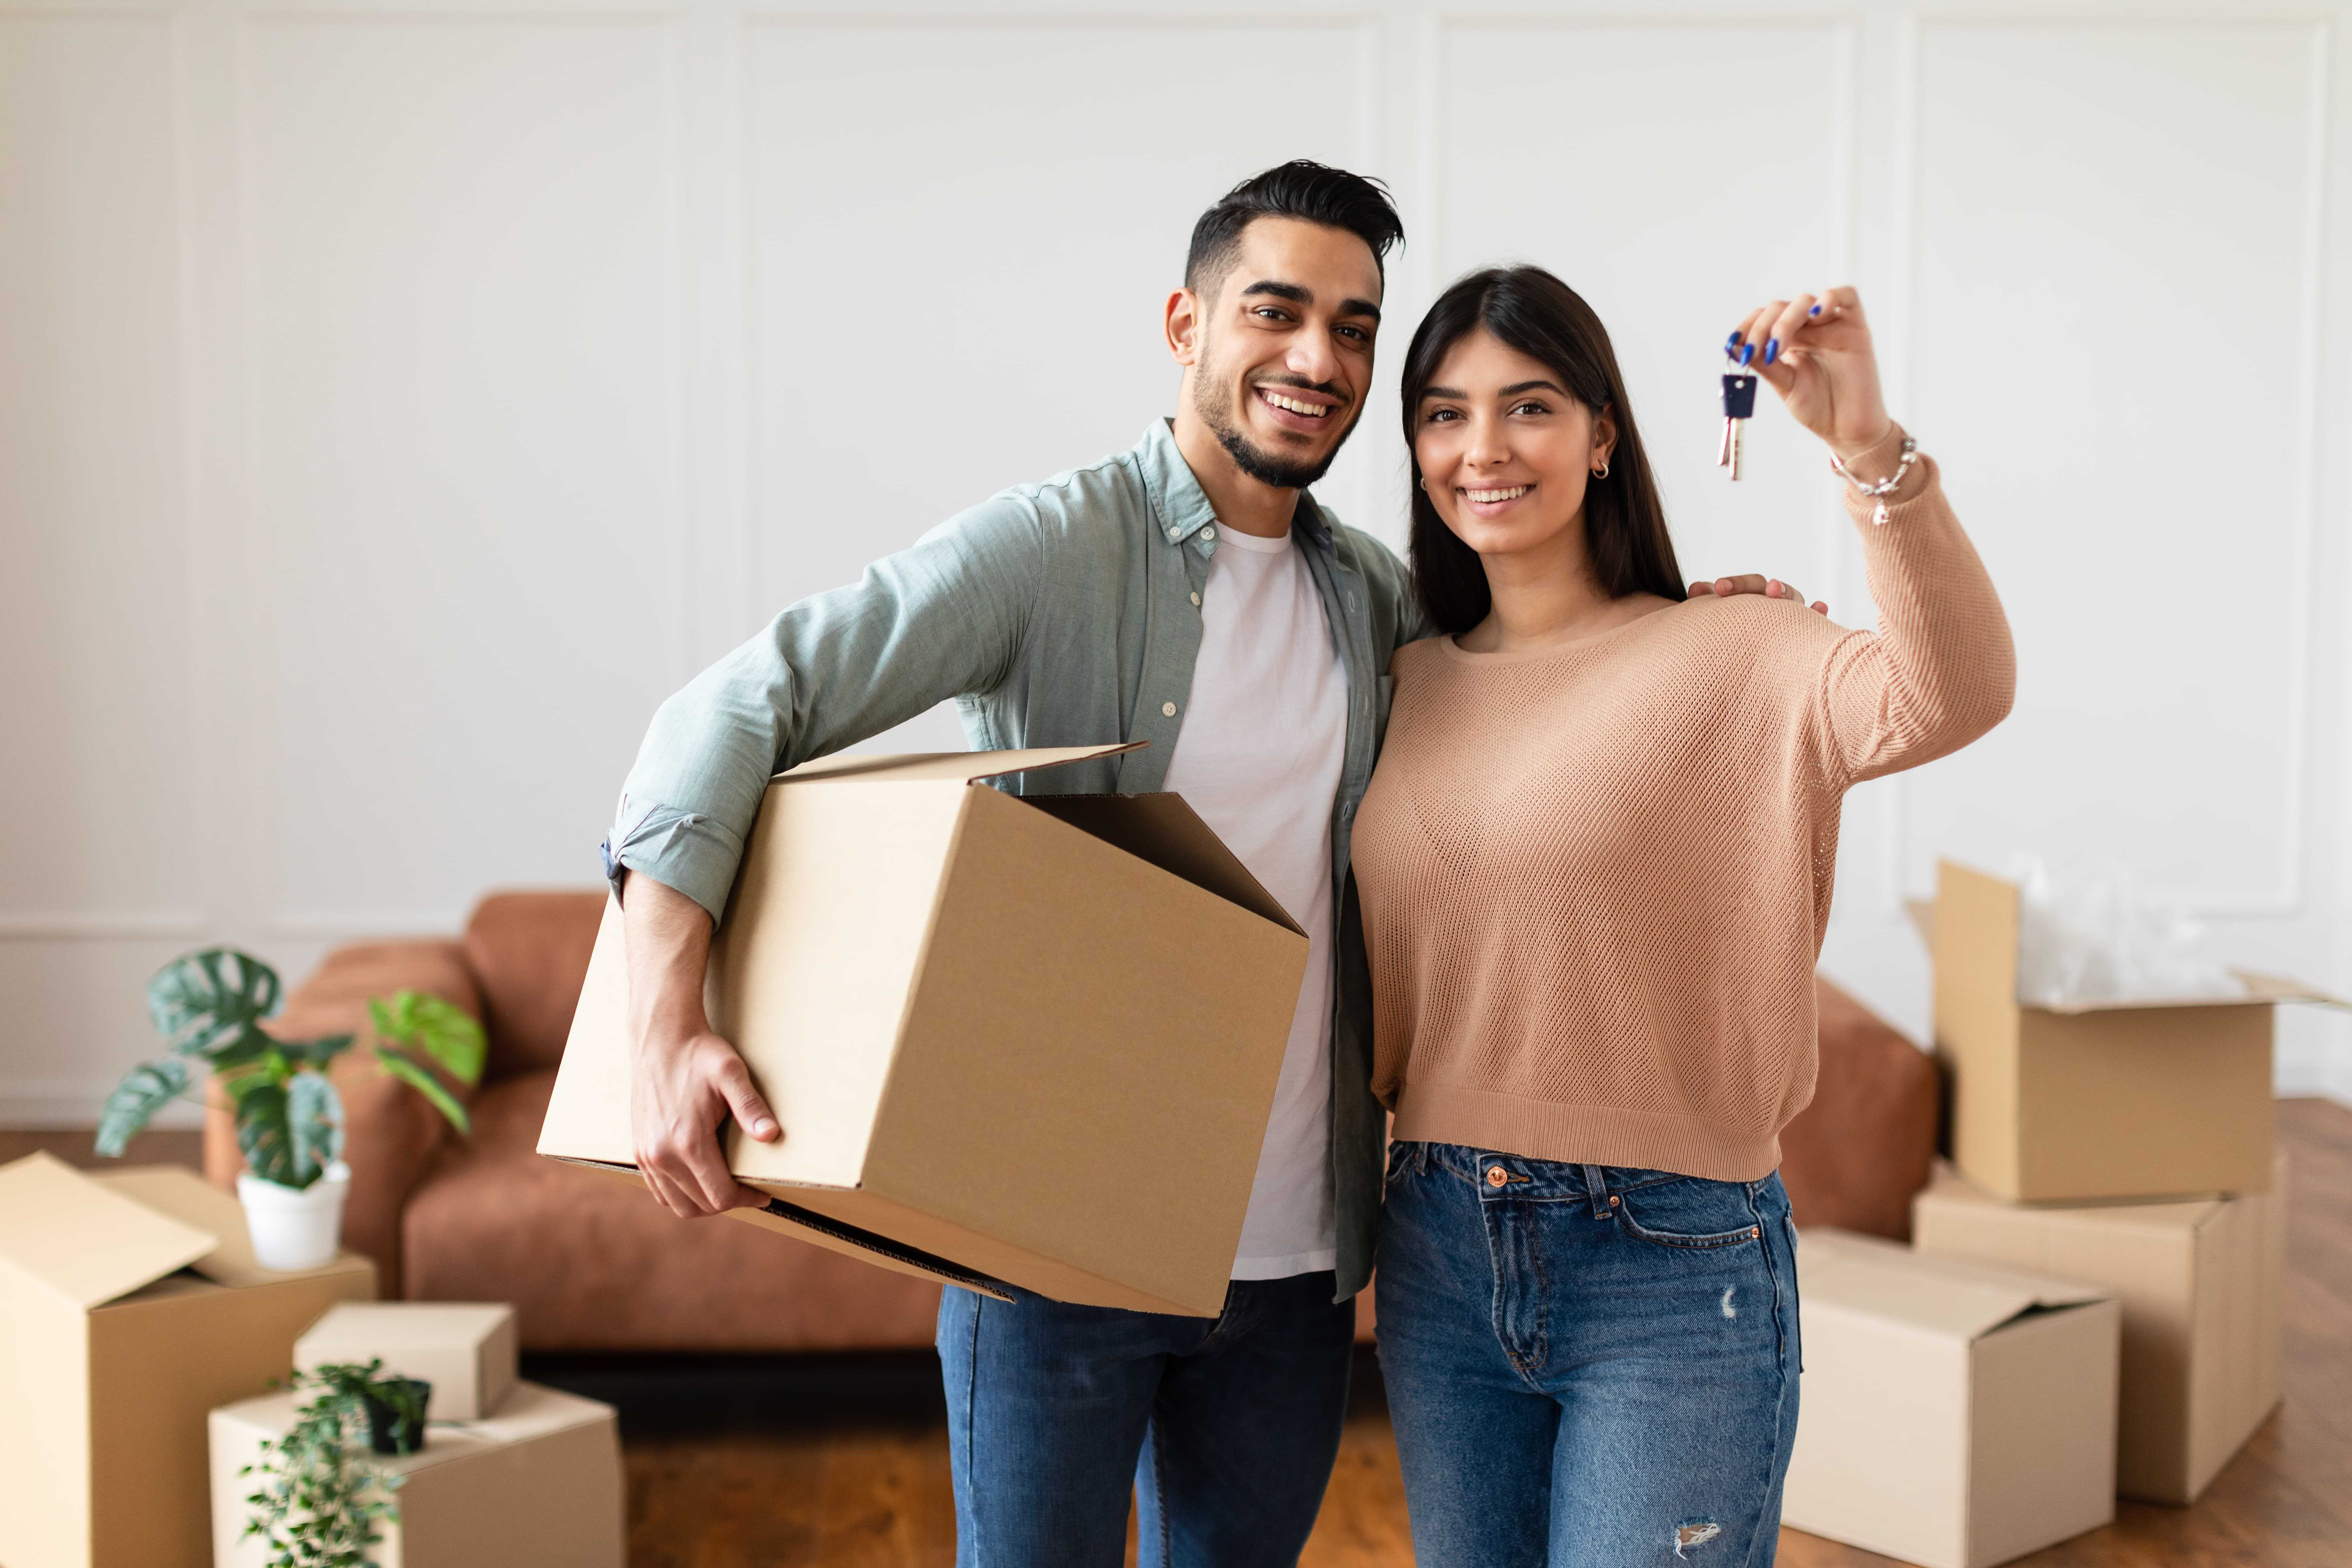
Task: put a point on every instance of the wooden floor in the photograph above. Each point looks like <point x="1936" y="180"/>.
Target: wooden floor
<point x="844" y="1464"/>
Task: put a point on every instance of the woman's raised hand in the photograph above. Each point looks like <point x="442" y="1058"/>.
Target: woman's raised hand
<point x="1815" y="351"/>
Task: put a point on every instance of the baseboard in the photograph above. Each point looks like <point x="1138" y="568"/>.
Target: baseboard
<point x="42" y="1105"/>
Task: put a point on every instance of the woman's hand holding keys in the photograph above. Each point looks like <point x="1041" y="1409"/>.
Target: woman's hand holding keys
<point x="1815" y="351"/>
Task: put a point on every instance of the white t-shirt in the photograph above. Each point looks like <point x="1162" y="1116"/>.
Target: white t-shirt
<point x="1259" y="757"/>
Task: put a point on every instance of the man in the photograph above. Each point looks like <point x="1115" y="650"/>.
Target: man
<point x="1189" y="592"/>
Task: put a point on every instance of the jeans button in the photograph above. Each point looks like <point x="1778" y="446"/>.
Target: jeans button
<point x="1495" y="1176"/>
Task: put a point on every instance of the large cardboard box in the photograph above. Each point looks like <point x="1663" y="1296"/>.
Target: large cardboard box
<point x="1951" y="1414"/>
<point x="130" y="1305"/>
<point x="1012" y="1040"/>
<point x="466" y="1349"/>
<point x="2096" y="1100"/>
<point x="537" y="1485"/>
<point x="2200" y="1284"/>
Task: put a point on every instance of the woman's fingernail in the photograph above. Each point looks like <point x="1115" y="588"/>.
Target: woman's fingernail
<point x="1746" y="352"/>
<point x="1771" y="350"/>
<point x="1815" y="311"/>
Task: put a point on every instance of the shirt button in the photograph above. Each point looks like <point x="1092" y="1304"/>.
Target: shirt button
<point x="1209" y="534"/>
<point x="1168" y="710"/>
<point x="1196" y="601"/>
<point x="1175" y="533"/>
<point x="1495" y="1176"/>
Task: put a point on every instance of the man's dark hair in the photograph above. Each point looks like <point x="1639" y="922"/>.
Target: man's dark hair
<point x="1316" y="191"/>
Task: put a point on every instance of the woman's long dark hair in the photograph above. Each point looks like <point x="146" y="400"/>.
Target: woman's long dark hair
<point x="1624" y="524"/>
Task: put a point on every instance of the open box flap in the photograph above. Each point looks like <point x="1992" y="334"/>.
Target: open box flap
<point x="2261" y="990"/>
<point x="181" y="1194"/>
<point x="87" y="1243"/>
<point x="952" y="767"/>
<point x="1941" y="1295"/>
<point x="1163" y="829"/>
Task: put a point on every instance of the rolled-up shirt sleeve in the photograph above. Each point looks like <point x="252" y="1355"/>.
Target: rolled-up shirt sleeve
<point x="942" y="619"/>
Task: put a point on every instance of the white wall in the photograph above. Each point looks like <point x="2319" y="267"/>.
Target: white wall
<point x="396" y="400"/>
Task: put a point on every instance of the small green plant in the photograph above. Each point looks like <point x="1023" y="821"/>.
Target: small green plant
<point x="321" y="1500"/>
<point x="209" y="1006"/>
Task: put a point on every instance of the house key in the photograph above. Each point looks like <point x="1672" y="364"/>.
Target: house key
<point x="1738" y="407"/>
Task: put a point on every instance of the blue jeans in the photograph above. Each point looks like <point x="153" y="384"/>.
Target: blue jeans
<point x="1226" y="1428"/>
<point x="1587" y="1366"/>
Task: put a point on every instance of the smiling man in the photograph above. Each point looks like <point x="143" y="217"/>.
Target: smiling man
<point x="1190" y="593"/>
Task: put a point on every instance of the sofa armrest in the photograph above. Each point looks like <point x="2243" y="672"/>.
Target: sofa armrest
<point x="391" y="1135"/>
<point x="1856" y="1154"/>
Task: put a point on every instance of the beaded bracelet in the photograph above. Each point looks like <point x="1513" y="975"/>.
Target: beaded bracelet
<point x="1883" y="486"/>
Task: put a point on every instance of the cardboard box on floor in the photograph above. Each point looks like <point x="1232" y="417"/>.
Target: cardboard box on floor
<point x="2096" y="1100"/>
<point x="466" y="1349"/>
<point x="130" y="1305"/>
<point x="536" y="1486"/>
<point x="2200" y="1285"/>
<point x="1951" y="1414"/>
<point x="1026" y="1040"/>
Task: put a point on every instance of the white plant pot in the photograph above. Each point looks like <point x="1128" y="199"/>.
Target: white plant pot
<point x="295" y="1227"/>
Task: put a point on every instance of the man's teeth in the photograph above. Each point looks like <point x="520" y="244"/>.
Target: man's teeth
<point x="1514" y="493"/>
<point x="1312" y="410"/>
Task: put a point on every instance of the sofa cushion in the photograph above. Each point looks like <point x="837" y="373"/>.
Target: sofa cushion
<point x="1856" y="1154"/>
<point x="591" y="1262"/>
<point x="530" y="953"/>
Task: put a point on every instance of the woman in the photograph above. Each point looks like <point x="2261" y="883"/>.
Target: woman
<point x="1595" y="868"/>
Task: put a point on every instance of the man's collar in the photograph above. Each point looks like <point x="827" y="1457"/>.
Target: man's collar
<point x="1182" y="507"/>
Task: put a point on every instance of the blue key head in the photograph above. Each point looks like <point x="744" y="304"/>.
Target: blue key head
<point x="1739" y="398"/>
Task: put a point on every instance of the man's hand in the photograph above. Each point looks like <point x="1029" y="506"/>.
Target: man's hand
<point x="1770" y="588"/>
<point x="685" y="1081"/>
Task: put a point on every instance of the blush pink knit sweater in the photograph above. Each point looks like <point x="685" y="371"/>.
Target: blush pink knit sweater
<point x="1594" y="879"/>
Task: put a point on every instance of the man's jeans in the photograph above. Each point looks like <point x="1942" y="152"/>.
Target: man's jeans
<point x="1587" y="1366"/>
<point x="1227" y="1427"/>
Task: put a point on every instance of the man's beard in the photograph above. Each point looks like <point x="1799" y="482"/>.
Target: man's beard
<point x="1265" y="466"/>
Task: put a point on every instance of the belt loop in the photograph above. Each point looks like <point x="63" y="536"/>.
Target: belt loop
<point x="1420" y="1158"/>
<point x="1597" y="1185"/>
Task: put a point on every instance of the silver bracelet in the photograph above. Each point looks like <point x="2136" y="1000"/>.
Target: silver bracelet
<point x="1883" y="486"/>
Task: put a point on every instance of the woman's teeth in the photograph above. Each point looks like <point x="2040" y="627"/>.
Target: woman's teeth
<point x="1488" y="496"/>
<point x="1312" y="410"/>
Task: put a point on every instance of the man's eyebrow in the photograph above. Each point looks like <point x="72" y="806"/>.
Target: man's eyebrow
<point x="1302" y="296"/>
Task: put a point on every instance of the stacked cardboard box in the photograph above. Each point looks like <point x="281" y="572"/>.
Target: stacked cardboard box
<point x="512" y="1475"/>
<point x="130" y="1305"/>
<point x="2125" y="1146"/>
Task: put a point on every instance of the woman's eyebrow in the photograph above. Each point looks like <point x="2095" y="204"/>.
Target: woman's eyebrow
<point x="1429" y="391"/>
<point x="1518" y="386"/>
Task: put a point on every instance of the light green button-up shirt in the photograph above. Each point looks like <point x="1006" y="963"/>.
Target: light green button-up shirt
<point x="1059" y="614"/>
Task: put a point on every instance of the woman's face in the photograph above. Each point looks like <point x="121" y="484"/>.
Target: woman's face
<point x="1504" y="450"/>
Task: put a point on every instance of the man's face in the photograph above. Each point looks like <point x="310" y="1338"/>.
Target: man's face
<point x="1284" y="352"/>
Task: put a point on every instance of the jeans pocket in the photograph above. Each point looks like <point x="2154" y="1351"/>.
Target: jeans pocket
<point x="1400" y="1157"/>
<point x="1691" y="1212"/>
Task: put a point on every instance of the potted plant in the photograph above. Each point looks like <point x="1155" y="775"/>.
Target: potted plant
<point x="318" y="1503"/>
<point x="208" y="1006"/>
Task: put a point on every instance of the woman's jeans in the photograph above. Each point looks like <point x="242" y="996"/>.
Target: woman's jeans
<point x="1587" y="1366"/>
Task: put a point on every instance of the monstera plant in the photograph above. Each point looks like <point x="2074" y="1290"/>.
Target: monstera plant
<point x="209" y="1008"/>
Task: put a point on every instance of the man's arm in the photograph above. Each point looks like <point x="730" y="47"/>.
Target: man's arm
<point x="943" y="618"/>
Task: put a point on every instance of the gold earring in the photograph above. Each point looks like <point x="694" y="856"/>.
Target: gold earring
<point x="1602" y="471"/>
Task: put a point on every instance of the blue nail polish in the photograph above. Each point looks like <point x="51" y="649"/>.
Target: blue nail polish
<point x="1815" y="311"/>
<point x="1746" y="352"/>
<point x="1771" y="350"/>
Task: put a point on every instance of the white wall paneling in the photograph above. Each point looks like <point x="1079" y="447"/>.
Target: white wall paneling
<point x="397" y="398"/>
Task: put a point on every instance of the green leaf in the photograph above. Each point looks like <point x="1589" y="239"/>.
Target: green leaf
<point x="265" y="1131"/>
<point x="422" y="1081"/>
<point x="420" y="1021"/>
<point x="319" y="1052"/>
<point x="145" y="1089"/>
<point x="314" y="1121"/>
<point x="204" y="1002"/>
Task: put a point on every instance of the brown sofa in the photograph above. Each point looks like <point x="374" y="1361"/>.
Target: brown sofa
<point x="591" y="1263"/>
